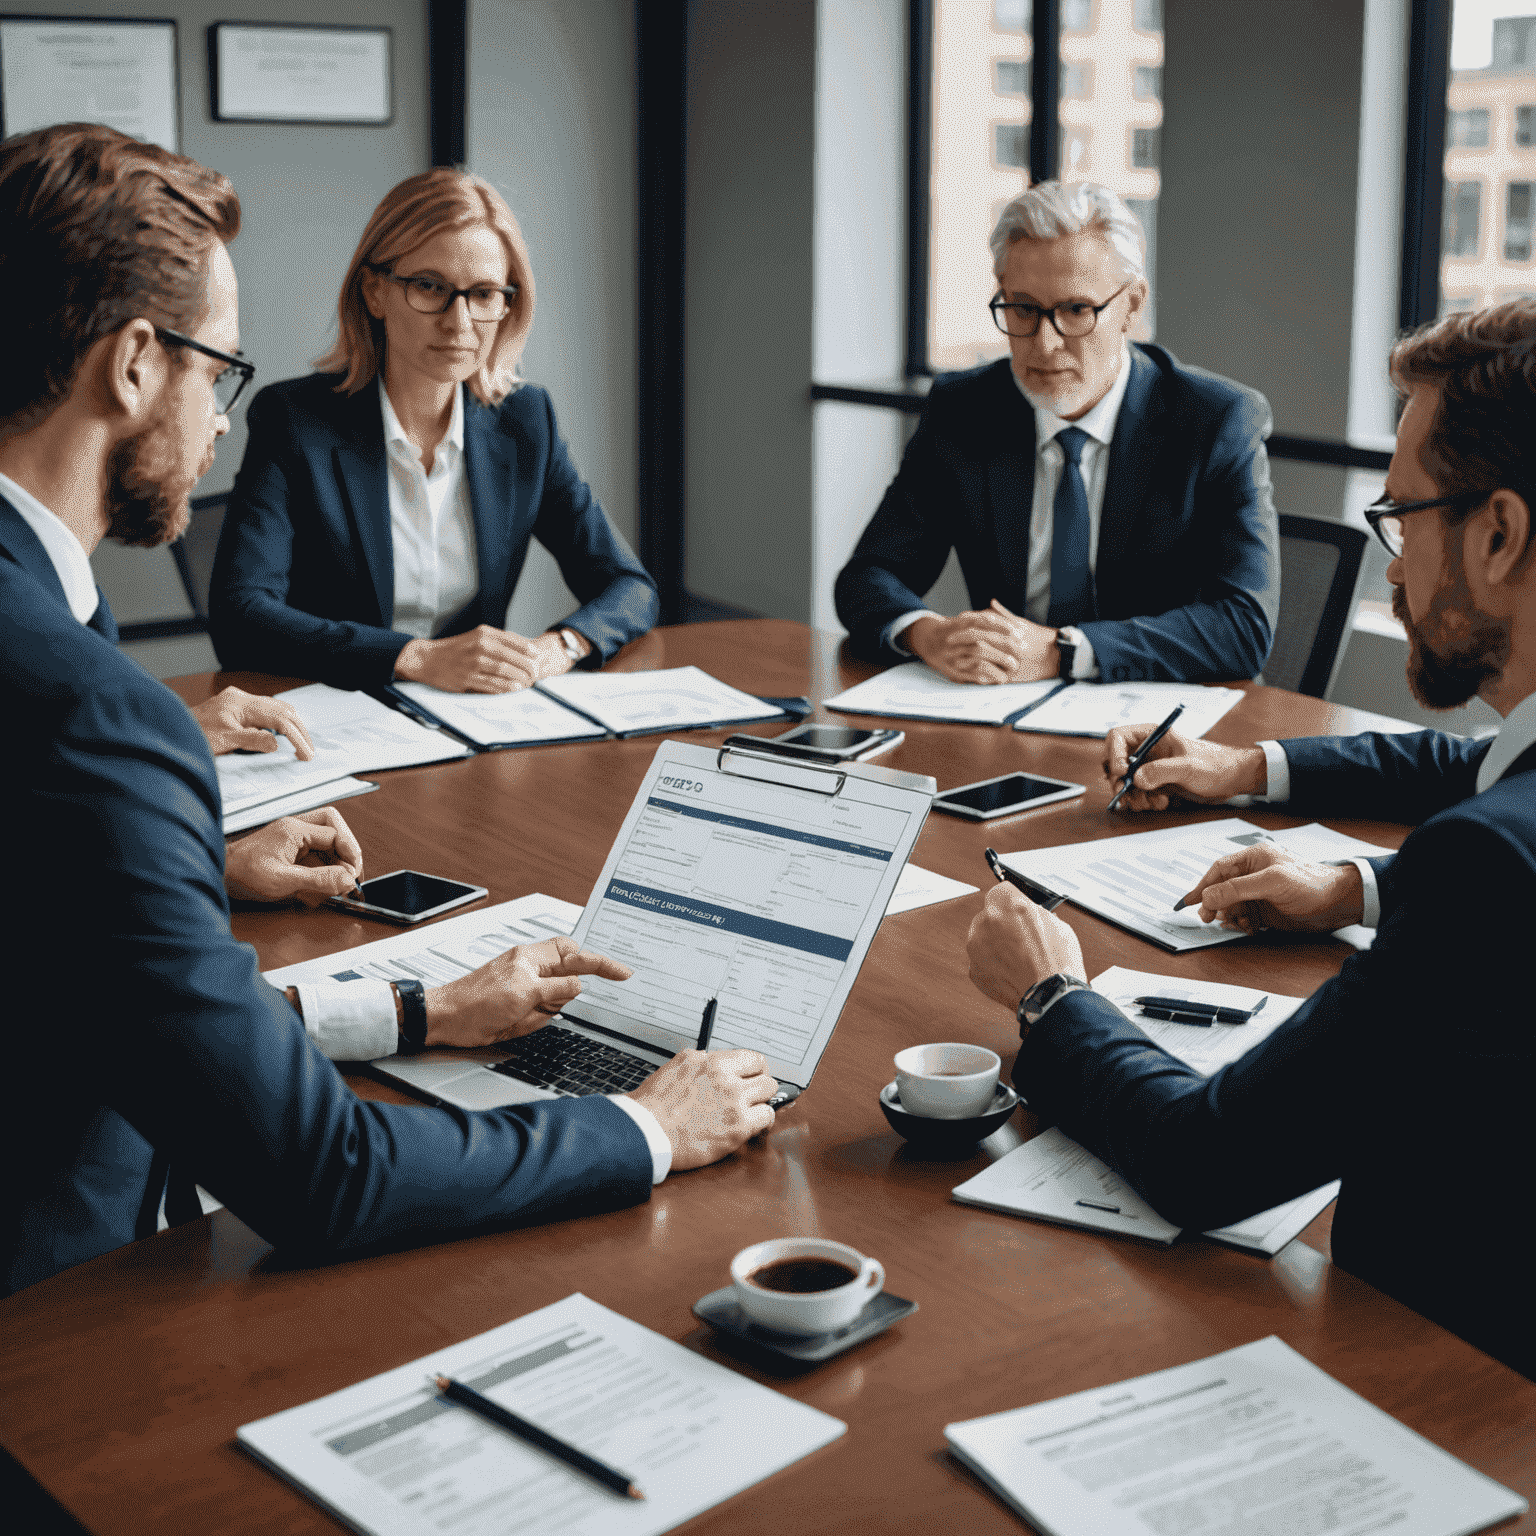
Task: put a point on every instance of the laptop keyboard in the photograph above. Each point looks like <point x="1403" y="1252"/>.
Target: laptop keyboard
<point x="562" y="1060"/>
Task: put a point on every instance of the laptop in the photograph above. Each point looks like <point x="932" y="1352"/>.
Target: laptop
<point x="737" y="877"/>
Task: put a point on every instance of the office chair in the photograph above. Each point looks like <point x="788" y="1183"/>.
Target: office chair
<point x="1320" y="570"/>
<point x="195" y="549"/>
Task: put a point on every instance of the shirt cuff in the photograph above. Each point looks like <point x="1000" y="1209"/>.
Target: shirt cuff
<point x="1085" y="665"/>
<point x="1370" y="908"/>
<point x="655" y="1138"/>
<point x="1277" y="778"/>
<point x="899" y="626"/>
<point x="350" y="1020"/>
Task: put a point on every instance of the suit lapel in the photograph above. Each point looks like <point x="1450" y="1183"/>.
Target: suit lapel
<point x="363" y="472"/>
<point x="103" y="620"/>
<point x="1011" y="487"/>
<point x="26" y="550"/>
<point x="1525" y="763"/>
<point x="490" y="465"/>
<point x="1133" y="453"/>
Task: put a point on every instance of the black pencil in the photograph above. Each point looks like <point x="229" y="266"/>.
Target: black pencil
<point x="707" y="1024"/>
<point x="467" y="1397"/>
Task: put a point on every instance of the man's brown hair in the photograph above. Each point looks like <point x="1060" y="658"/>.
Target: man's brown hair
<point x="1483" y="363"/>
<point x="96" y="229"/>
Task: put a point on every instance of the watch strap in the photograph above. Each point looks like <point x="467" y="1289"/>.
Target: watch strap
<point x="1040" y="996"/>
<point x="413" y="1015"/>
<point x="1066" y="649"/>
<point x="572" y="644"/>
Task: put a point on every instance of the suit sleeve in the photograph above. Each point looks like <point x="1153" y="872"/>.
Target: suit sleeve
<point x="1227" y="631"/>
<point x="618" y="598"/>
<point x="253" y="624"/>
<point x="183" y="1038"/>
<point x="902" y="552"/>
<point x="1408" y="777"/>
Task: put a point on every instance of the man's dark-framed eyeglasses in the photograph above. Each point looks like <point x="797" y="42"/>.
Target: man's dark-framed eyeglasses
<point x="1385" y="516"/>
<point x="1073" y="319"/>
<point x="230" y="383"/>
<point x="429" y="295"/>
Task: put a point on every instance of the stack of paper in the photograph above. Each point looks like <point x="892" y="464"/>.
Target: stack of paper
<point x="916" y="692"/>
<point x="296" y="804"/>
<point x="1094" y="709"/>
<point x="352" y="733"/>
<point x="391" y="1457"/>
<point x="675" y="699"/>
<point x="1254" y="1439"/>
<point x="518" y="719"/>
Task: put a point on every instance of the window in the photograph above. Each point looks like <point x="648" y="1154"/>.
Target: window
<point x="1149" y="16"/>
<point x="1514" y="42"/>
<point x="1012" y="78"/>
<point x="1468" y="129"/>
<point x="1077" y="82"/>
<point x="1525" y="127"/>
<point x="1517" y="222"/>
<point x="1076" y="15"/>
<point x="1144" y="147"/>
<point x="1463" y="205"/>
<point x="1149" y="82"/>
<point x="1012" y="15"/>
<point x="1074" y="154"/>
<point x="1010" y="144"/>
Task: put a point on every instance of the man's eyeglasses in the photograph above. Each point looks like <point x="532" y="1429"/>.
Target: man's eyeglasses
<point x="1386" y="516"/>
<point x="230" y="383"/>
<point x="429" y="295"/>
<point x="1071" y="320"/>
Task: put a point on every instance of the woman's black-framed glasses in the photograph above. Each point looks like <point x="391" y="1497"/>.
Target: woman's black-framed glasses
<point x="230" y="383"/>
<point x="1385" y="516"/>
<point x="429" y="295"/>
<point x="1070" y="320"/>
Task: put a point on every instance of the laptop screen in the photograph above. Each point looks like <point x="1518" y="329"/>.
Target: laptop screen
<point x="759" y="884"/>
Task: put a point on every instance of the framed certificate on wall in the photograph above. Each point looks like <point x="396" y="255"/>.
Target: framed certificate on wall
<point x="56" y="69"/>
<point x="271" y="73"/>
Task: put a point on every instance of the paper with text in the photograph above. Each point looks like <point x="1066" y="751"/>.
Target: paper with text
<point x="295" y="804"/>
<point x="393" y="1458"/>
<point x="1095" y="709"/>
<point x="915" y="691"/>
<point x="1253" y="1439"/>
<point x="923" y="888"/>
<point x="502" y="719"/>
<point x="673" y="699"/>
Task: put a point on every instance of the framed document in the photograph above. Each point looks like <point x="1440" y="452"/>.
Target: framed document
<point x="270" y="73"/>
<point x="56" y="69"/>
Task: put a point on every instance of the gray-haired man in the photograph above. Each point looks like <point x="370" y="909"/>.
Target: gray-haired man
<point x="1111" y="508"/>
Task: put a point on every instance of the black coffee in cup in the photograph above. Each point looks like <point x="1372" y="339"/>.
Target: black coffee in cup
<point x="799" y="1276"/>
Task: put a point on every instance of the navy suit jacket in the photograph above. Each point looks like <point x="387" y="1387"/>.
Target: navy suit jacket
<point x="304" y="578"/>
<point x="144" y="1034"/>
<point x="1410" y="1075"/>
<point x="1187" y="575"/>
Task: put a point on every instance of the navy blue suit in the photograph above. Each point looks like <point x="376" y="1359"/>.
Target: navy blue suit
<point x="1187" y="575"/>
<point x="1409" y="1076"/>
<point x="304" y="579"/>
<point x="143" y="1035"/>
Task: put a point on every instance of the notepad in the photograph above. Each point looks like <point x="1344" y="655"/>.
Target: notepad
<point x="914" y="691"/>
<point x="673" y="699"/>
<point x="390" y="1457"/>
<point x="1095" y="709"/>
<point x="1254" y="1439"/>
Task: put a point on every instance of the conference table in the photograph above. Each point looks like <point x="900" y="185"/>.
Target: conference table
<point x="125" y="1378"/>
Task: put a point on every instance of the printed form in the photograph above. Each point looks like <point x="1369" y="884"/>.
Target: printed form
<point x="750" y="889"/>
<point x="393" y="1458"/>
<point x="1254" y="1439"/>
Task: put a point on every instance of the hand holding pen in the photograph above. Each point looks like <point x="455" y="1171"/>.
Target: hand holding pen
<point x="1142" y="753"/>
<point x="1041" y="895"/>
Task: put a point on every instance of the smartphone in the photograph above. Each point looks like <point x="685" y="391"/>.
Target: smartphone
<point x="824" y="743"/>
<point x="1004" y="796"/>
<point x="408" y="896"/>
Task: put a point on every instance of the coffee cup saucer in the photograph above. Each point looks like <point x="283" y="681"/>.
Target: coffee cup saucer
<point x="927" y="1134"/>
<point x="721" y="1310"/>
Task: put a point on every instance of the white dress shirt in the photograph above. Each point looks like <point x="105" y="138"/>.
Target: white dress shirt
<point x="431" y="525"/>
<point x="347" y="1020"/>
<point x="1093" y="463"/>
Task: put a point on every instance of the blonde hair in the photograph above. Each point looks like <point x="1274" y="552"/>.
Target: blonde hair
<point x="420" y="208"/>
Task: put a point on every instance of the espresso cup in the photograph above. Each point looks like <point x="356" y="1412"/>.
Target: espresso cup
<point x="948" y="1081"/>
<point x="804" y="1262"/>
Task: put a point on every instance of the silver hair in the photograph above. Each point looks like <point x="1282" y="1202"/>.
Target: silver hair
<point x="1050" y="209"/>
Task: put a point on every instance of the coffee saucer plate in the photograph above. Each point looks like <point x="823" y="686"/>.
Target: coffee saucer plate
<point x="952" y="1136"/>
<point x="721" y="1311"/>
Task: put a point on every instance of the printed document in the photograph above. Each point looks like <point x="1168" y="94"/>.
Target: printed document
<point x="1136" y="879"/>
<point x="675" y="699"/>
<point x="293" y="805"/>
<point x="923" y="888"/>
<point x="915" y="691"/>
<point x="1094" y="709"/>
<point x="1253" y="1439"/>
<point x="502" y="719"/>
<point x="351" y="732"/>
<point x="391" y="1457"/>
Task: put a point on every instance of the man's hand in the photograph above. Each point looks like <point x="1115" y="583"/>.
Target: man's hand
<point x="483" y="660"/>
<point x="311" y="857"/>
<point x="709" y="1103"/>
<point x="987" y="646"/>
<point x="236" y="721"/>
<point x="1181" y="768"/>
<point x="515" y="993"/>
<point x="1013" y="944"/>
<point x="1268" y="887"/>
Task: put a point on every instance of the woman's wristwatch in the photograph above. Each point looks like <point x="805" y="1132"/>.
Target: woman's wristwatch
<point x="1033" y="1004"/>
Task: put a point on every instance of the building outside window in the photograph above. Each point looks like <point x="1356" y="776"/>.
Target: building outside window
<point x="1467" y="130"/>
<point x="1463" y="209"/>
<point x="1525" y="126"/>
<point x="1517" y="222"/>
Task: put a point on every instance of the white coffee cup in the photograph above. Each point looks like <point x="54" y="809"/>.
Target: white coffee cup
<point x="948" y="1081"/>
<point x="805" y="1313"/>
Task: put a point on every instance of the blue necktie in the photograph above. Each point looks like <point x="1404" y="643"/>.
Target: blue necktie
<point x="1071" y="579"/>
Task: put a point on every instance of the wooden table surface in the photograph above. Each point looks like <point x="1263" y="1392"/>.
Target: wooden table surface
<point x="122" y="1381"/>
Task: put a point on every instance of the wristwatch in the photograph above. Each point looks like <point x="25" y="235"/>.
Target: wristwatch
<point x="413" y="1015"/>
<point x="1066" y="646"/>
<point x="572" y="643"/>
<point x="1040" y="996"/>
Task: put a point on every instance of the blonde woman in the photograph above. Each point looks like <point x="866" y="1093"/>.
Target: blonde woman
<point x="383" y="510"/>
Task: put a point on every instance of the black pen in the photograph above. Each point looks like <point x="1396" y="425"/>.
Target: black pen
<point x="707" y="1024"/>
<point x="467" y="1397"/>
<point x="1041" y="895"/>
<point x="331" y="858"/>
<point x="1093" y="1205"/>
<point x="1211" y="1011"/>
<point x="1140" y="755"/>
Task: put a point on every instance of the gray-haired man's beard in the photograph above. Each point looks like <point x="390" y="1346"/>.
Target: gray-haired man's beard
<point x="1442" y="672"/>
<point x="148" y="490"/>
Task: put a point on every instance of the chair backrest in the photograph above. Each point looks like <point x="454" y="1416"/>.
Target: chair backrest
<point x="195" y="549"/>
<point x="1320" y="567"/>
